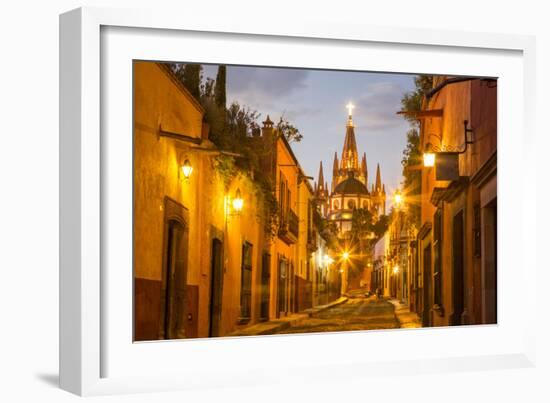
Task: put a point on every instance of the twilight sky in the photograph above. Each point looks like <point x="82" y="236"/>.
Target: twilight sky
<point x="314" y="101"/>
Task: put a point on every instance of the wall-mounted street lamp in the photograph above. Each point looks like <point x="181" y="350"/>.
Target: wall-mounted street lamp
<point x="345" y="255"/>
<point x="429" y="159"/>
<point x="233" y="205"/>
<point x="186" y="169"/>
<point x="395" y="269"/>
<point x="431" y="152"/>
<point x="238" y="202"/>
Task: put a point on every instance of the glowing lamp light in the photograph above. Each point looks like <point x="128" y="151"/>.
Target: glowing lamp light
<point x="345" y="255"/>
<point x="429" y="160"/>
<point x="398" y="198"/>
<point x="186" y="169"/>
<point x="238" y="201"/>
<point x="395" y="269"/>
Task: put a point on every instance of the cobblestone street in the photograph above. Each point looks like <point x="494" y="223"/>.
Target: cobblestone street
<point x="358" y="313"/>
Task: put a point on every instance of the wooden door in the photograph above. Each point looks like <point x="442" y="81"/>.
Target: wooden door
<point x="174" y="282"/>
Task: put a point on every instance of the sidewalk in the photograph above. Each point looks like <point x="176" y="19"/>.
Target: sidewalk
<point x="404" y="316"/>
<point x="277" y="325"/>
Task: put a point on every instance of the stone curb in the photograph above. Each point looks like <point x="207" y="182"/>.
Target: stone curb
<point x="404" y="316"/>
<point x="278" y="325"/>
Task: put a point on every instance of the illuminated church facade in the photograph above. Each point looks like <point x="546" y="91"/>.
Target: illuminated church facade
<point x="349" y="188"/>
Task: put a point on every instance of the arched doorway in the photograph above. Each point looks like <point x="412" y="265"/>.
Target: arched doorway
<point x="174" y="273"/>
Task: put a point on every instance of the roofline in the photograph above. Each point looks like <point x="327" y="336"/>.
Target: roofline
<point x="287" y="145"/>
<point x="164" y="67"/>
<point x="293" y="156"/>
<point x="454" y="80"/>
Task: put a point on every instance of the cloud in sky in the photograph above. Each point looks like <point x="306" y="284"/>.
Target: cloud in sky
<point x="266" y="89"/>
<point x="314" y="101"/>
<point x="265" y="81"/>
<point x="377" y="106"/>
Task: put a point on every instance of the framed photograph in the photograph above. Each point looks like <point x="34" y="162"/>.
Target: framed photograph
<point x="241" y="203"/>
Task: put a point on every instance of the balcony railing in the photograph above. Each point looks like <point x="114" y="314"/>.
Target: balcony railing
<point x="288" y="229"/>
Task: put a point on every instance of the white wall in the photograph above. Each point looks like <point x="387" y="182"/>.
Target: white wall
<point x="29" y="201"/>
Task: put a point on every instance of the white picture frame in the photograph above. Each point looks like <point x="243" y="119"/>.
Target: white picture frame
<point x="92" y="357"/>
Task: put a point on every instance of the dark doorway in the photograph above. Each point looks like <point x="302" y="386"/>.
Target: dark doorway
<point x="458" y="269"/>
<point x="282" y="287"/>
<point x="174" y="271"/>
<point x="174" y="282"/>
<point x="490" y="263"/>
<point x="265" y="283"/>
<point x="427" y="285"/>
<point x="216" y="287"/>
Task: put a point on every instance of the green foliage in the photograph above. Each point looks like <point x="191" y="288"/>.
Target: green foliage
<point x="191" y="77"/>
<point x="219" y="91"/>
<point x="265" y="192"/>
<point x="232" y="129"/>
<point x="412" y="158"/>
<point x="288" y="131"/>
<point x="263" y="189"/>
<point x="381" y="226"/>
<point x="363" y="227"/>
<point x="412" y="101"/>
<point x="361" y="223"/>
<point x="225" y="166"/>
<point x="327" y="228"/>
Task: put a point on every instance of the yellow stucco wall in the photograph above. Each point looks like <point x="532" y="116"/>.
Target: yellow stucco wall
<point x="279" y="248"/>
<point x="456" y="101"/>
<point x="160" y="101"/>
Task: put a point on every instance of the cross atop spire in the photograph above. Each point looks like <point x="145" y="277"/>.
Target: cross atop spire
<point x="350" y="107"/>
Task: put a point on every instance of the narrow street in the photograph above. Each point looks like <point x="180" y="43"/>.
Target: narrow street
<point x="359" y="313"/>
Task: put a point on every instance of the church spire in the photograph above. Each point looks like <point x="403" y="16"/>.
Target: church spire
<point x="378" y="185"/>
<point x="364" y="168"/>
<point x="335" y="165"/>
<point x="349" y="153"/>
<point x="321" y="180"/>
